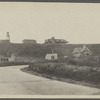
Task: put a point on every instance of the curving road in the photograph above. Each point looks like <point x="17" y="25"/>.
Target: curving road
<point x="15" y="82"/>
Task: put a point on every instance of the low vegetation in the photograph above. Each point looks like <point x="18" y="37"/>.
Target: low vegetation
<point x="68" y="70"/>
<point x="12" y="64"/>
<point x="91" y="61"/>
<point x="40" y="50"/>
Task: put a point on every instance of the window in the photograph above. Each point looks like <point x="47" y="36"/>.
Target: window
<point x="7" y="59"/>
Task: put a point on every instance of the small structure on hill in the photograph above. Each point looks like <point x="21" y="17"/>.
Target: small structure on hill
<point x="55" y="41"/>
<point x="7" y="40"/>
<point x="13" y="57"/>
<point x="77" y="52"/>
<point x="29" y="41"/>
<point x="51" y="56"/>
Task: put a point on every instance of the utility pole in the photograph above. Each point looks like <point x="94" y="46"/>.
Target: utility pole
<point x="52" y="51"/>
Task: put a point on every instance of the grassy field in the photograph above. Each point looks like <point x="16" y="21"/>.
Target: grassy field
<point x="40" y="50"/>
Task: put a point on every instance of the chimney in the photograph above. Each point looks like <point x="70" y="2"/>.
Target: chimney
<point x="84" y="46"/>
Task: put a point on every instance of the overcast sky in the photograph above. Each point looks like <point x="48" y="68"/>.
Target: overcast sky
<point x="75" y="22"/>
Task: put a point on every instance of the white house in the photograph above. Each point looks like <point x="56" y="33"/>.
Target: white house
<point x="77" y="52"/>
<point x="52" y="56"/>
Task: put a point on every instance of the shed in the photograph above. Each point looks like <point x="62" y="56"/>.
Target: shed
<point x="52" y="56"/>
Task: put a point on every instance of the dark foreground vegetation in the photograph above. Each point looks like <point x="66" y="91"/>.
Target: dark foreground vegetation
<point x="73" y="69"/>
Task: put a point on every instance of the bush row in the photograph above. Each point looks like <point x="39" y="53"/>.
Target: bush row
<point x="91" y="61"/>
<point x="79" y="73"/>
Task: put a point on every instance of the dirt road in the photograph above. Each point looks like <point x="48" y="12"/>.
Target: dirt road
<point x="15" y="82"/>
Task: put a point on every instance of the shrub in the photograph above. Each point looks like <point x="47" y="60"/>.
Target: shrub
<point x="91" y="61"/>
<point x="80" y="73"/>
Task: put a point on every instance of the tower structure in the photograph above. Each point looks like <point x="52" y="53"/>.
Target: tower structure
<point x="8" y="37"/>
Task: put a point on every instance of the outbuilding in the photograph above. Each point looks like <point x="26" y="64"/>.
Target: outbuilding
<point x="52" y="56"/>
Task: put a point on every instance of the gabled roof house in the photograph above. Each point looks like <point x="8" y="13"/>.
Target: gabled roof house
<point x="85" y="51"/>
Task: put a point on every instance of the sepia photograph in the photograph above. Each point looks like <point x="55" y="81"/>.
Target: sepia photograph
<point x="49" y="49"/>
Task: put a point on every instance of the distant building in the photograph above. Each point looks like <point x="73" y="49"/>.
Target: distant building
<point x="51" y="56"/>
<point x="77" y="52"/>
<point x="55" y="41"/>
<point x="29" y="41"/>
<point x="7" y="40"/>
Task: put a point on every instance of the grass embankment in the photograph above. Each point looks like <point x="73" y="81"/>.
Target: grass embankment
<point x="63" y="71"/>
<point x="4" y="64"/>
